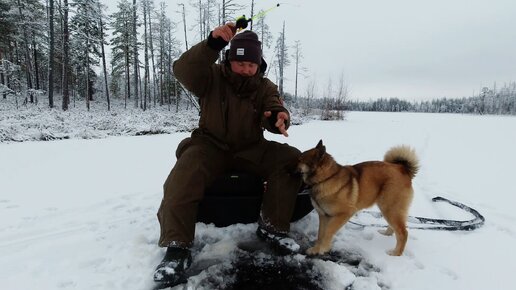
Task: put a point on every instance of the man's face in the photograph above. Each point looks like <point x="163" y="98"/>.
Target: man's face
<point x="244" y="68"/>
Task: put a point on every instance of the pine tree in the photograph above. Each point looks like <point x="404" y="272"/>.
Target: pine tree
<point x="121" y="43"/>
<point x="28" y="22"/>
<point x="167" y="48"/>
<point x="7" y="33"/>
<point x="86" y="40"/>
<point x="7" y="28"/>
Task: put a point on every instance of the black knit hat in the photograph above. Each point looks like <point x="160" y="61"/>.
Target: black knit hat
<point x="245" y="46"/>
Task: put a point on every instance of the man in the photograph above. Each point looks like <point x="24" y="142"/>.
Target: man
<point x="237" y="102"/>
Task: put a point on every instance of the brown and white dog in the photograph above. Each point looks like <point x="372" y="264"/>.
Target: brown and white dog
<point x="338" y="192"/>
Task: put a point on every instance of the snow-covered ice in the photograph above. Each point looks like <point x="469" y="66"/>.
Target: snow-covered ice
<point x="81" y="214"/>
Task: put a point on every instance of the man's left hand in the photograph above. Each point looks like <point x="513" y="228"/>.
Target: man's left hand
<point x="282" y="117"/>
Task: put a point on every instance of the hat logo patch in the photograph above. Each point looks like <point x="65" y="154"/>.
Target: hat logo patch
<point x="240" y="51"/>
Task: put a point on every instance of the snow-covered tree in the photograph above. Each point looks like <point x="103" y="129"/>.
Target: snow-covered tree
<point x="29" y="18"/>
<point x="167" y="48"/>
<point x="297" y="56"/>
<point x="7" y="34"/>
<point x="86" y="44"/>
<point x="121" y="52"/>
<point x="262" y="29"/>
<point x="229" y="10"/>
<point x="283" y="59"/>
<point x="206" y="17"/>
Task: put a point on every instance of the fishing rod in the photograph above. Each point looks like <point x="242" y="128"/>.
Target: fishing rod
<point x="242" y="22"/>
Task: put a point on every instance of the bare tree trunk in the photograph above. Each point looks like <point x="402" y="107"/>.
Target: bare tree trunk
<point x="169" y="65"/>
<point x="184" y="25"/>
<point x="87" y="95"/>
<point x="161" y="68"/>
<point x="2" y="77"/>
<point x="177" y="95"/>
<point x="282" y="61"/>
<point x="201" y="31"/>
<point x="28" y="61"/>
<point x="66" y="66"/>
<point x="146" y="74"/>
<point x="75" y="90"/>
<point x="135" y="52"/>
<point x="223" y="20"/>
<point x="104" y="58"/>
<point x="36" y="66"/>
<point x="127" y="77"/>
<point x="154" y="79"/>
<point x="162" y="54"/>
<point x="298" y="56"/>
<point x="252" y="14"/>
<point x="140" y="86"/>
<point x="51" y="55"/>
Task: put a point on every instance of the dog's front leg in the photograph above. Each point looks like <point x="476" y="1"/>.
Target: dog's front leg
<point x="323" y="221"/>
<point x="332" y="225"/>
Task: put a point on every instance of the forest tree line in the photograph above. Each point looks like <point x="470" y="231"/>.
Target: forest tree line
<point x="333" y="102"/>
<point x="59" y="47"/>
<point x="52" y="48"/>
<point x="491" y="101"/>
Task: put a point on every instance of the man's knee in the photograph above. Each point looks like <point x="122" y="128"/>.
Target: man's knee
<point x="284" y="157"/>
<point x="182" y="146"/>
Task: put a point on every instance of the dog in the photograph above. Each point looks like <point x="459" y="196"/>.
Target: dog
<point x="338" y="192"/>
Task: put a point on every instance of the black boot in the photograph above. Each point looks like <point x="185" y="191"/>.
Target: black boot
<point x="173" y="266"/>
<point x="280" y="242"/>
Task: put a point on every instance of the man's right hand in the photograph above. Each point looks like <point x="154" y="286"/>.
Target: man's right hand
<point x="282" y="118"/>
<point x="225" y="32"/>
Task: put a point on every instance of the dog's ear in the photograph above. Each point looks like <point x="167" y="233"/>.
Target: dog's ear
<point x="321" y="149"/>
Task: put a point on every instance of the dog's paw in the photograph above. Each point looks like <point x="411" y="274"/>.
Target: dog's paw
<point x="317" y="250"/>
<point x="387" y="232"/>
<point x="393" y="253"/>
<point x="313" y="251"/>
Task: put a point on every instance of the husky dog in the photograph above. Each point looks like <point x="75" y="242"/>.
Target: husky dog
<point x="338" y="191"/>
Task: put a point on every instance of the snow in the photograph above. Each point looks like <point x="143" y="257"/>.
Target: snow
<point x="81" y="213"/>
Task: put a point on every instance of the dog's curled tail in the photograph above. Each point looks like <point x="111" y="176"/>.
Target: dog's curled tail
<point x="405" y="156"/>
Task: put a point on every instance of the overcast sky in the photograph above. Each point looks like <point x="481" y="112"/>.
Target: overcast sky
<point x="411" y="49"/>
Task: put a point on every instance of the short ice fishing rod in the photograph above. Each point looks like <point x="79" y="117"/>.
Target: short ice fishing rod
<point x="242" y="21"/>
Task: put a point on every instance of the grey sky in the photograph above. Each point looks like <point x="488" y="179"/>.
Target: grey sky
<point x="411" y="49"/>
<point x="407" y="48"/>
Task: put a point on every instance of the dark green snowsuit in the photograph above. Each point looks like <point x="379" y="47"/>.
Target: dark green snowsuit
<point x="230" y="136"/>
